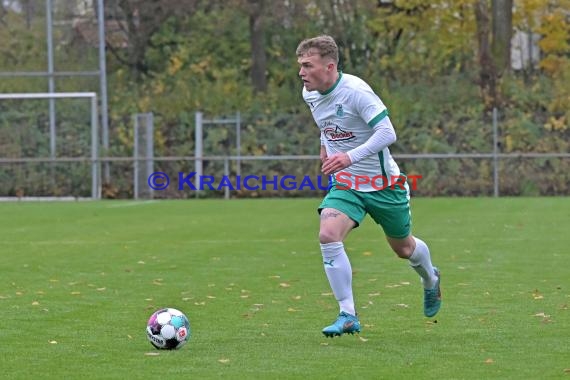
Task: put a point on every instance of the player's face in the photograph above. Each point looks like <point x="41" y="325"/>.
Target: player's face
<point x="317" y="73"/>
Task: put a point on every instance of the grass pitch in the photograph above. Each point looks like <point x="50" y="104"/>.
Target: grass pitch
<point x="79" y="281"/>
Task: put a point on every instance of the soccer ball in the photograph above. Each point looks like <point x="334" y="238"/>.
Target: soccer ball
<point x="168" y="329"/>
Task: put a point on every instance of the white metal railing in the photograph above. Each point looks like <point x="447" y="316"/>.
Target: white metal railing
<point x="94" y="159"/>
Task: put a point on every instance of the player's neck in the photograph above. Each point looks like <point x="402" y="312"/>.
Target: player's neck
<point x="331" y="84"/>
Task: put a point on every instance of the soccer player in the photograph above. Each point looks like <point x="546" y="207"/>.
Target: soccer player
<point x="355" y="134"/>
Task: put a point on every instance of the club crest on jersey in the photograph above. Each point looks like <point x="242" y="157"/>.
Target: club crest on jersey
<point x="339" y="110"/>
<point x="335" y="133"/>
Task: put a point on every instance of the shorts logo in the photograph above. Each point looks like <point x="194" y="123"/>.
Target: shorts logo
<point x="339" y="110"/>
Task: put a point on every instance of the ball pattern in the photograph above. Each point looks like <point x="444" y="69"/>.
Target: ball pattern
<point x="168" y="329"/>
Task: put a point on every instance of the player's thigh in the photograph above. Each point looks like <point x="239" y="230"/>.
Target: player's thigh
<point x="341" y="211"/>
<point x="390" y="208"/>
<point x="335" y="225"/>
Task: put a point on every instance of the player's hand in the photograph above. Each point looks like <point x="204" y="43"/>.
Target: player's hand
<point x="335" y="163"/>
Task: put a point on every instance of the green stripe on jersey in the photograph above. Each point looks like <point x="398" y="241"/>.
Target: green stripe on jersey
<point x="378" y="117"/>
<point x="381" y="157"/>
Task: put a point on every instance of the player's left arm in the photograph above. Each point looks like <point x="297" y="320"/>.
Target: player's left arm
<point x="373" y="111"/>
<point x="384" y="135"/>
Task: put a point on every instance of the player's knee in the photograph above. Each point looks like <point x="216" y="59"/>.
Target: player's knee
<point x="327" y="235"/>
<point x="404" y="251"/>
<point x="404" y="248"/>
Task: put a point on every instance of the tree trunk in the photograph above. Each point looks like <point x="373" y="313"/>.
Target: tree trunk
<point x="29" y="10"/>
<point x="257" y="35"/>
<point x="487" y="70"/>
<point x="502" y="34"/>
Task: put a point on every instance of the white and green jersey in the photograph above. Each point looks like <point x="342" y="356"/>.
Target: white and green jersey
<point x="346" y="114"/>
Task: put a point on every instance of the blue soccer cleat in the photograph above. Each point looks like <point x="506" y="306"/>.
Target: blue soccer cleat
<point x="344" y="324"/>
<point x="432" y="297"/>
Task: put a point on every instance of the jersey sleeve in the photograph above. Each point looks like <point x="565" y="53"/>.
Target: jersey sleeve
<point x="370" y="106"/>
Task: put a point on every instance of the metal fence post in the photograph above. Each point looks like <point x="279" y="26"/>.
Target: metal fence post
<point x="198" y="148"/>
<point x="103" y="85"/>
<point x="136" y="156"/>
<point x="495" y="154"/>
<point x="238" y="143"/>
<point x="149" y="149"/>
<point x="95" y="188"/>
<point x="51" y="79"/>
<point x="227" y="175"/>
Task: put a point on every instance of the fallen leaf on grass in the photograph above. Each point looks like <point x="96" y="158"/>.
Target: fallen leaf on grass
<point x="35" y="303"/>
<point x="284" y="285"/>
<point x="362" y="339"/>
<point x="536" y="295"/>
<point x="224" y="361"/>
<point x="489" y="361"/>
<point x="52" y="341"/>
<point x="402" y="305"/>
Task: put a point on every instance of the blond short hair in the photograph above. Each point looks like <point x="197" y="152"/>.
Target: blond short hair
<point x="324" y="45"/>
